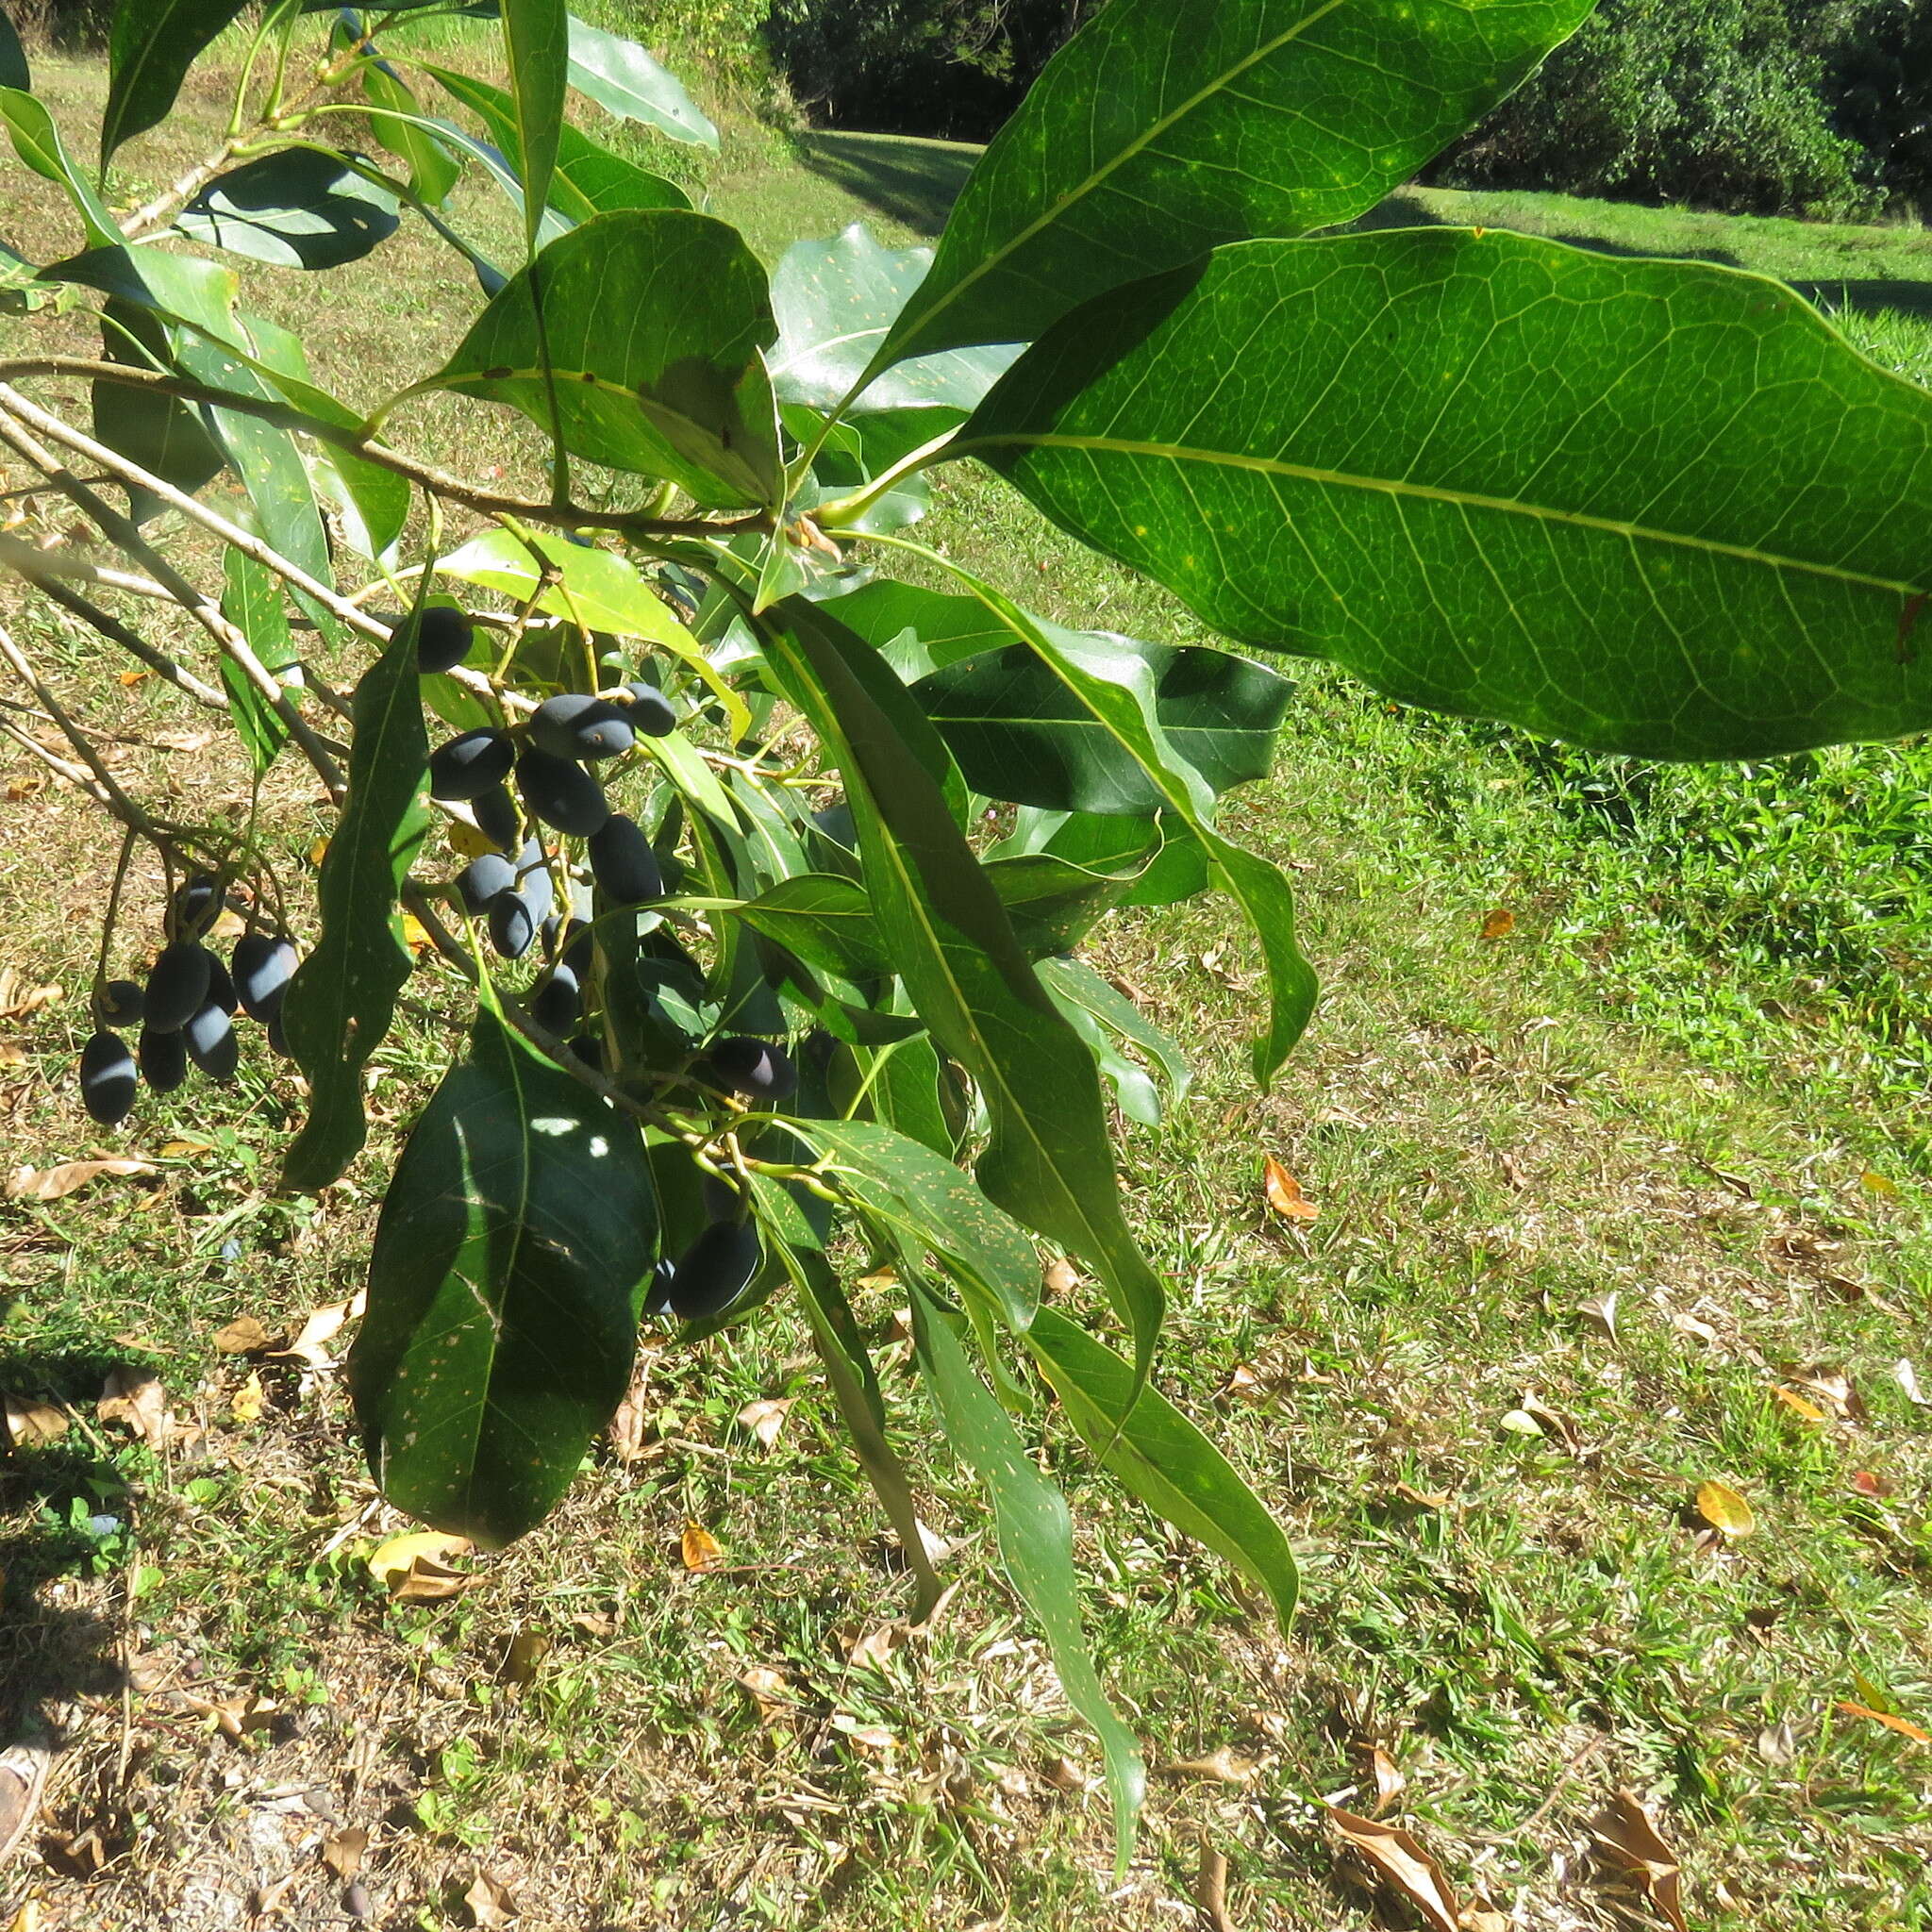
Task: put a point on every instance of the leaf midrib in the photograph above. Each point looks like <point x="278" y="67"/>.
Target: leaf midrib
<point x="1463" y="499"/>
<point x="1099" y="177"/>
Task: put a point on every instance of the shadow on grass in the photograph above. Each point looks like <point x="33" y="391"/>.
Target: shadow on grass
<point x="912" y="181"/>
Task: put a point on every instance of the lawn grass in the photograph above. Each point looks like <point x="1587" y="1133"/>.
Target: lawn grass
<point x="1590" y="1193"/>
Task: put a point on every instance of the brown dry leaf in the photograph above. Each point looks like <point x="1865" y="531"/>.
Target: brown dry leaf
<point x="876" y="1646"/>
<point x="1907" y="1378"/>
<point x="1799" y="1405"/>
<point x="1210" y="1888"/>
<point x="1387" y="1775"/>
<point x="244" y="1335"/>
<point x="768" y="1689"/>
<point x="630" y="1428"/>
<point x="12" y="1054"/>
<point x="524" y="1656"/>
<point x="416" y="1568"/>
<point x="1627" y="1835"/>
<point x="1498" y="925"/>
<point x="1551" y="1423"/>
<point x="19" y="997"/>
<point x="342" y="1851"/>
<point x="491" y="1902"/>
<point x="1726" y="1510"/>
<point x="137" y="1398"/>
<point x="322" y="1328"/>
<point x="1833" y="1387"/>
<point x="1483" y="1918"/>
<point x="1602" y="1310"/>
<point x="185" y="741"/>
<point x="245" y="1405"/>
<point x="1402" y="1864"/>
<point x="700" y="1548"/>
<point x="1063" y="1775"/>
<point x="29" y="1423"/>
<point x="867" y="1737"/>
<point x="1224" y="1766"/>
<point x="1778" y="1743"/>
<point x="1283" y="1193"/>
<point x="765" y="1419"/>
<point x="1904" y="1726"/>
<point x="1869" y="1482"/>
<point x="1062" y="1278"/>
<point x="56" y="1183"/>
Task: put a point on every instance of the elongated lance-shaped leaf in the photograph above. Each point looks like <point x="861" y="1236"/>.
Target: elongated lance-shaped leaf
<point x="536" y="44"/>
<point x="927" y="1203"/>
<point x="36" y="140"/>
<point x="13" y="66"/>
<point x="589" y="180"/>
<point x="435" y="167"/>
<point x="1048" y="1162"/>
<point x="1075" y="982"/>
<point x="654" y="318"/>
<point x="1115" y="688"/>
<point x="1163" y="1458"/>
<point x="849" y="1373"/>
<point x="252" y="602"/>
<point x="1700" y="535"/>
<point x="626" y="82"/>
<point x="1036" y="1542"/>
<point x="504" y="1292"/>
<point x="1167" y="127"/>
<point x="151" y="45"/>
<point x="343" y="997"/>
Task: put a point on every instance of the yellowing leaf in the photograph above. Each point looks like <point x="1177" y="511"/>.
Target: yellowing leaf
<point x="416" y="935"/>
<point x="245" y="1405"/>
<point x="1726" y="1510"/>
<point x="1498" y="925"/>
<point x="1798" y="1406"/>
<point x="244" y="1335"/>
<point x="700" y="1548"/>
<point x="1874" y="1183"/>
<point x="1402" y="1864"/>
<point x="406" y="1565"/>
<point x="1283" y="1193"/>
<point x="1904" y="1726"/>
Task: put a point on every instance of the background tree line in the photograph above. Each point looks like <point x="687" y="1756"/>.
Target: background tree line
<point x="1812" y="107"/>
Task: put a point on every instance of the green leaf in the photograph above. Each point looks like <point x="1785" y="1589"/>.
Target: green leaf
<point x="502" y="1292"/>
<point x="826" y="921"/>
<point x="835" y="300"/>
<point x="896" y="1084"/>
<point x="1167" y="127"/>
<point x="1019" y="734"/>
<point x="343" y="997"/>
<point x="252" y="602"/>
<point x="36" y="141"/>
<point x="624" y="80"/>
<point x="1707" y="540"/>
<point x="434" y="167"/>
<point x="1053" y="903"/>
<point x="1048" y="1160"/>
<point x="13" y="66"/>
<point x="919" y="631"/>
<point x="1116" y="690"/>
<point x="656" y="318"/>
<point x="165" y="437"/>
<point x="1073" y="982"/>
<point x="536" y="44"/>
<point x="1163" y="1458"/>
<point x="590" y="179"/>
<point x="151" y="45"/>
<point x="928" y="1204"/>
<point x="1036" y="1542"/>
<point x="298" y="208"/>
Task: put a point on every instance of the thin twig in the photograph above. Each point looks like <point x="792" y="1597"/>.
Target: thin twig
<point x="114" y="798"/>
<point x="75" y="775"/>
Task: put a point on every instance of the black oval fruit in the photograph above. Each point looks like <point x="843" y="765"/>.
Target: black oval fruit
<point x="209" y="1038"/>
<point x="482" y="879"/>
<point x="277" y="1036"/>
<point x="221" y="985"/>
<point x="657" y="1296"/>
<point x="752" y="1067"/>
<point x="262" y="967"/>
<point x="560" y="793"/>
<point x="120" y="1003"/>
<point x="443" y="637"/>
<point x="512" y="924"/>
<point x="496" y="816"/>
<point x="578" y="725"/>
<point x="556" y="1004"/>
<point x="177" y="985"/>
<point x="623" y="863"/>
<point x="197" y="906"/>
<point x="468" y="766"/>
<point x="163" y="1058"/>
<point x="715" y="1269"/>
<point x="651" y="711"/>
<point x="589" y="1048"/>
<point x="533" y="880"/>
<point x="106" y="1078"/>
<point x="579" y="948"/>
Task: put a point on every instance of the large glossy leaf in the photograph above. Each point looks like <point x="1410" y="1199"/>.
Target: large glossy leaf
<point x="825" y="920"/>
<point x="928" y="1204"/>
<point x="503" y="1310"/>
<point x="1116" y="690"/>
<point x="1163" y="1458"/>
<point x="13" y="66"/>
<point x="298" y="208"/>
<point x="1052" y="902"/>
<point x="835" y="300"/>
<point x="624" y="80"/>
<point x="656" y="318"/>
<point x="435" y="167"/>
<point x="590" y="179"/>
<point x="37" y="140"/>
<point x="1048" y="1162"/>
<point x="536" y="46"/>
<point x="151" y="45"/>
<point x="165" y="437"/>
<point x="252" y="602"/>
<point x="1036" y="1542"/>
<point x="1699" y="533"/>
<point x="1019" y="734"/>
<point x="343" y="997"/>
<point x="1167" y="127"/>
